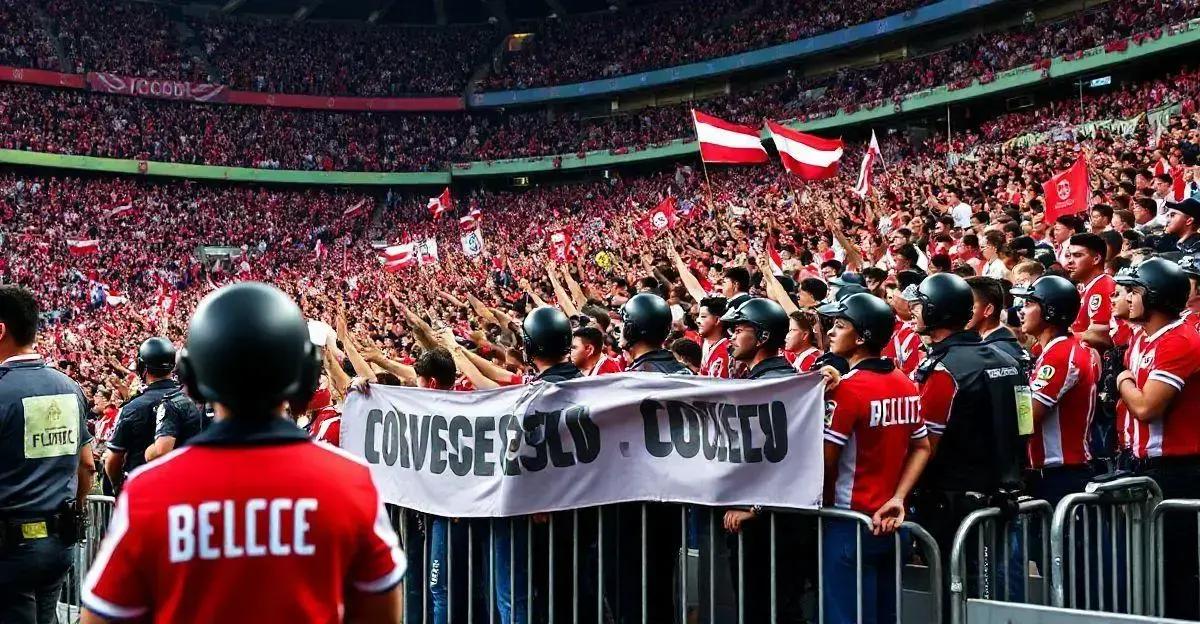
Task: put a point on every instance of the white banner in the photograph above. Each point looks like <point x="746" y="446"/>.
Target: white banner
<point x="472" y="243"/>
<point x="592" y="441"/>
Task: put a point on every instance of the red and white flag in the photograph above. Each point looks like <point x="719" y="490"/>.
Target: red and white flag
<point x="427" y="252"/>
<point x="119" y="209"/>
<point x="467" y="223"/>
<point x="396" y="257"/>
<point x="320" y="250"/>
<point x="441" y="203"/>
<point x="472" y="242"/>
<point x="357" y="210"/>
<point x="661" y="217"/>
<point x="560" y="246"/>
<point x="773" y="257"/>
<point x="83" y="247"/>
<point x="810" y="157"/>
<point x="1068" y="192"/>
<point x="728" y="143"/>
<point x="866" y="173"/>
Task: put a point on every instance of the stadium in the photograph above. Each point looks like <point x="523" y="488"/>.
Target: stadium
<point x="599" y="311"/>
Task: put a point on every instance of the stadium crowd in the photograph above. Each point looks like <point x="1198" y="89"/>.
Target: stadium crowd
<point x="23" y="42"/>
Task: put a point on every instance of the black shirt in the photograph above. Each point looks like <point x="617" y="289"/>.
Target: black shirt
<point x="658" y="361"/>
<point x="137" y="421"/>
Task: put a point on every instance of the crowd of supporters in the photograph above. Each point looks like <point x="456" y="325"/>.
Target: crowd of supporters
<point x="129" y="38"/>
<point x="23" y="41"/>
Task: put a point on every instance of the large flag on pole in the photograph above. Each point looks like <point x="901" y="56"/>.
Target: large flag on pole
<point x="357" y="210"/>
<point x="396" y="257"/>
<point x="1067" y="192"/>
<point x="810" y="157"/>
<point x="441" y="203"/>
<point x="866" y="173"/>
<point x="83" y="247"/>
<point x="728" y="143"/>
<point x="661" y="217"/>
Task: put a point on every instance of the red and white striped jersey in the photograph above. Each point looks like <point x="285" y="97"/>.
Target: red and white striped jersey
<point x="1064" y="381"/>
<point x="904" y="347"/>
<point x="1095" y="299"/>
<point x="604" y="366"/>
<point x="804" y="360"/>
<point x="1191" y="317"/>
<point x="873" y="414"/>
<point x="1169" y="356"/>
<point x="714" y="359"/>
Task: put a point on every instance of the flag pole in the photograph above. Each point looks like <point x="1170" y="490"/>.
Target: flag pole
<point x="712" y="207"/>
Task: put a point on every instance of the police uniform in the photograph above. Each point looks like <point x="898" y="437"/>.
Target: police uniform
<point x="42" y="431"/>
<point x="658" y="361"/>
<point x="1003" y="339"/>
<point x="138" y="422"/>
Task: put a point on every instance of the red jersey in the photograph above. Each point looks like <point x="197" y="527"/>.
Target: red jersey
<point x="904" y="347"/>
<point x="1095" y="303"/>
<point x="1124" y="334"/>
<point x="604" y="366"/>
<point x="873" y="414"/>
<point x="1064" y="381"/>
<point x="804" y="360"/>
<point x="1169" y="356"/>
<point x="327" y="426"/>
<point x="937" y="398"/>
<point x="714" y="359"/>
<point x="193" y="530"/>
<point x="1192" y="318"/>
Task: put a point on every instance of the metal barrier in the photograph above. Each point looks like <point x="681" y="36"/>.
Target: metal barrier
<point x="1109" y="521"/>
<point x="1159" y="553"/>
<point x="987" y="521"/>
<point x="655" y="563"/>
<point x="99" y="513"/>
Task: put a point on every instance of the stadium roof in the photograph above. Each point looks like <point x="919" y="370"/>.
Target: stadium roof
<point x="410" y="11"/>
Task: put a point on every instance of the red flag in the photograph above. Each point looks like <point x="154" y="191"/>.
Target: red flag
<point x="724" y="142"/>
<point x="661" y="217"/>
<point x="397" y="257"/>
<point x="83" y="247"/>
<point x="441" y="203"/>
<point x="866" y="173"/>
<point x="560" y="246"/>
<point x="1067" y="193"/>
<point x="467" y="223"/>
<point x="357" y="210"/>
<point x="119" y="209"/>
<point x="773" y="257"/>
<point x="810" y="157"/>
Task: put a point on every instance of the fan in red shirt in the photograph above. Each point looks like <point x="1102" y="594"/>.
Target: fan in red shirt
<point x="1086" y="254"/>
<point x="904" y="347"/>
<point x="800" y="342"/>
<point x="876" y="446"/>
<point x="1161" y="391"/>
<point x="251" y="507"/>
<point x="1063" y="382"/>
<point x="588" y="353"/>
<point x="714" y="348"/>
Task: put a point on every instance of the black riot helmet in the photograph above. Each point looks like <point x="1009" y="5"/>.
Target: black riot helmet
<point x="946" y="301"/>
<point x="870" y="316"/>
<point x="1057" y="296"/>
<point x="248" y="348"/>
<point x="646" y="318"/>
<point x="156" y="356"/>
<point x="767" y="318"/>
<point x="546" y="333"/>
<point x="1165" y="283"/>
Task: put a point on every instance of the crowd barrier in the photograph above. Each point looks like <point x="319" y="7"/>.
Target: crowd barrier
<point x="1096" y="556"/>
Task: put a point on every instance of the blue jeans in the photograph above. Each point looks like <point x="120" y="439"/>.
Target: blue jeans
<point x="839" y="581"/>
<point x="509" y="546"/>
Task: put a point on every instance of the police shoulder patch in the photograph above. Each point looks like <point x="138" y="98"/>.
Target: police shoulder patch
<point x="160" y="413"/>
<point x="1045" y="372"/>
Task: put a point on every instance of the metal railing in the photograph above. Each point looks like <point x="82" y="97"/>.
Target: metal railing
<point x="658" y="563"/>
<point x="1101" y="540"/>
<point x="1157" y="518"/>
<point x="99" y="513"/>
<point x="987" y="524"/>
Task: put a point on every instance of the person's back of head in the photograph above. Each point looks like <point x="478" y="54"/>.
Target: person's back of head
<point x="688" y="352"/>
<point x="435" y="369"/>
<point x="18" y="320"/>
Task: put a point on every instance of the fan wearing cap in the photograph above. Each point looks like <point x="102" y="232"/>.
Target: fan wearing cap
<point x="1063" y="381"/>
<point x="252" y="521"/>
<point x="1161" y="393"/>
<point x="1183" y="219"/>
<point x="876" y="446"/>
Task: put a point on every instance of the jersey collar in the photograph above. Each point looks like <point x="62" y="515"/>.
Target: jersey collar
<point x="248" y="432"/>
<point x="1164" y="330"/>
<point x="21" y="359"/>
<point x="876" y="365"/>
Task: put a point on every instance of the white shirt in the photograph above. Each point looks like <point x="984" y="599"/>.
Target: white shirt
<point x="962" y="215"/>
<point x="995" y="269"/>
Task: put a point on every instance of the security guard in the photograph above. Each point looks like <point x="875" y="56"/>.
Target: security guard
<point x="301" y="534"/>
<point x="546" y="334"/>
<point x="977" y="407"/>
<point x="757" y="329"/>
<point x="876" y="446"/>
<point x="46" y="467"/>
<point x="988" y="293"/>
<point x="134" y="437"/>
<point x="646" y="322"/>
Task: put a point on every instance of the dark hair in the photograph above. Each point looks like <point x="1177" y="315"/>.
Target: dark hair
<point x="687" y="349"/>
<point x="802" y="320"/>
<point x="815" y="287"/>
<point x="875" y="274"/>
<point x="909" y="252"/>
<point x="437" y="364"/>
<point x="716" y="305"/>
<point x="836" y="265"/>
<point x="1070" y="221"/>
<point x="990" y="290"/>
<point x="740" y="276"/>
<point x="941" y="262"/>
<point x="19" y="313"/>
<point x="1126" y="216"/>
<point x="1164" y="177"/>
<point x="598" y="313"/>
<point x="982" y="217"/>
<point x="1105" y="210"/>
<point x="648" y="283"/>
<point x="997" y="240"/>
<point x="1092" y="243"/>
<point x="591" y="336"/>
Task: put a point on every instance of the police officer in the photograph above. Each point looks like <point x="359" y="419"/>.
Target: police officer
<point x="136" y="438"/>
<point x="546" y="334"/>
<point x="874" y="412"/>
<point x="646" y="322"/>
<point x="976" y="405"/>
<point x="46" y="467"/>
<point x="1161" y="392"/>
<point x="757" y="329"/>
<point x="301" y="534"/>
<point x="985" y="320"/>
